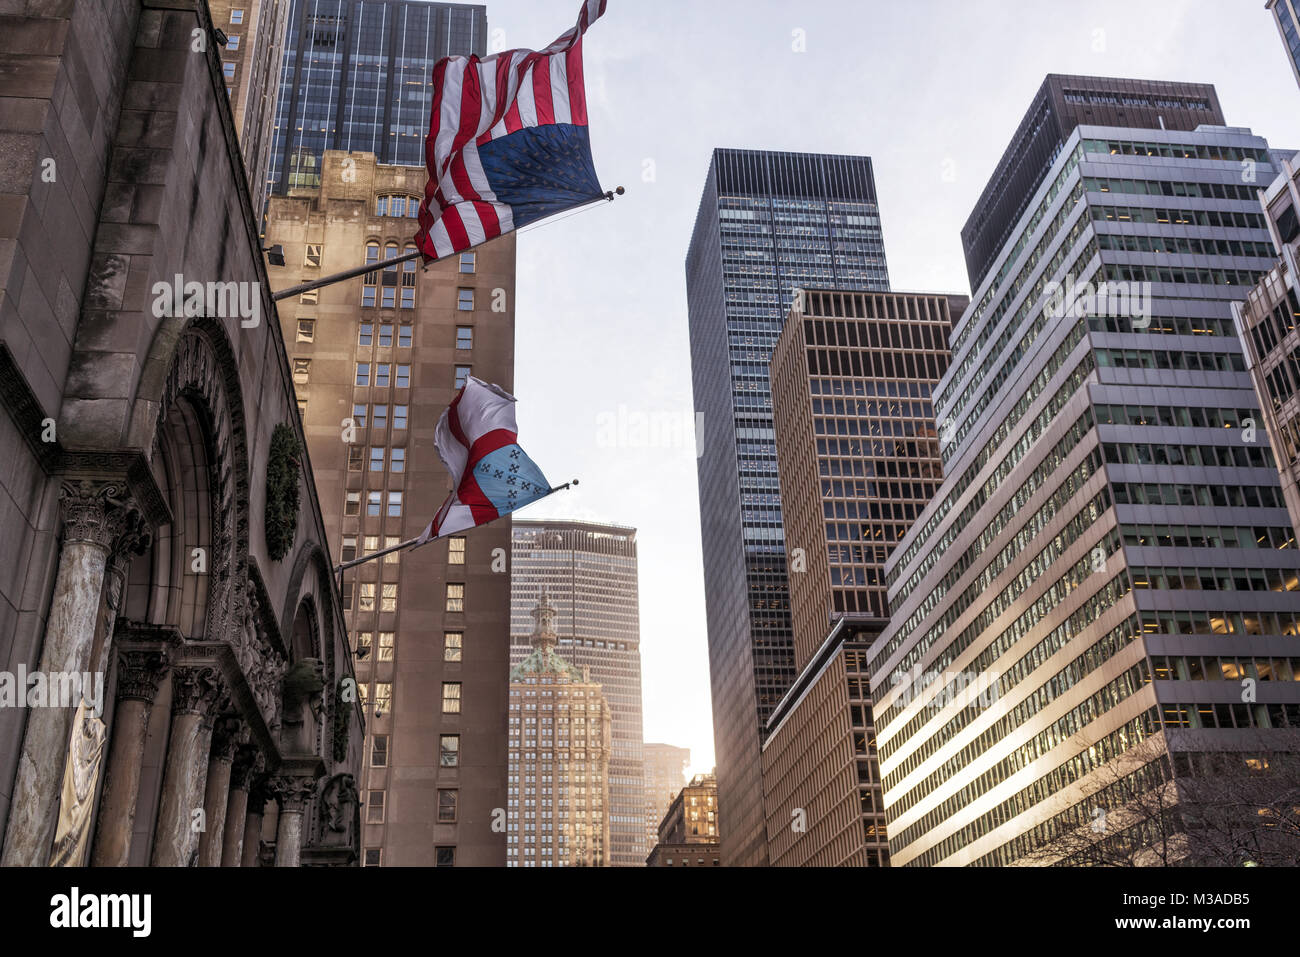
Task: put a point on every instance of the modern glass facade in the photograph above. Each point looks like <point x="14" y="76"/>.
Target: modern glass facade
<point x="1109" y="560"/>
<point x="768" y="222"/>
<point x="357" y="76"/>
<point x="1287" y="15"/>
<point x="589" y="573"/>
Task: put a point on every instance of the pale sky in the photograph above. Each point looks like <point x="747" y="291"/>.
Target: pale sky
<point x="930" y="89"/>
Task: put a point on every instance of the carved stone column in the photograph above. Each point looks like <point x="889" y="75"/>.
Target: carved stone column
<point x="225" y="739"/>
<point x="247" y="763"/>
<point x="292" y="792"/>
<point x="96" y="517"/>
<point x="258" y="795"/>
<point x="194" y="692"/>
<point x="137" y="688"/>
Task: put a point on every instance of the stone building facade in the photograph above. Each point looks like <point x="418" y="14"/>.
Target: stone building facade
<point x="688" y="833"/>
<point x="164" y="535"/>
<point x="560" y="744"/>
<point x="376" y="360"/>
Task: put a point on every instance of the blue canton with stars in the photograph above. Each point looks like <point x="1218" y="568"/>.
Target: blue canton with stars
<point x="541" y="170"/>
<point x="509" y="479"/>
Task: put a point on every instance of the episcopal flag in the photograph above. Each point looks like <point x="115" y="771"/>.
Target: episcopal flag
<point x="477" y="440"/>
<point x="507" y="142"/>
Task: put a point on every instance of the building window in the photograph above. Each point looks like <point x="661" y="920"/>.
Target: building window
<point x="376" y="459"/>
<point x="352" y="504"/>
<point x="301" y="371"/>
<point x="366" y="334"/>
<point x="374" y="857"/>
<point x="392" y="557"/>
<point x="381" y="375"/>
<point x="374" y="503"/>
<point x="379" y="751"/>
<point x="390" y="252"/>
<point x="306" y="330"/>
<point x="403" y="375"/>
<point x="302" y="408"/>
<point x="447" y="805"/>
<point x="468" y="262"/>
<point x="371" y="278"/>
<point x="387" y="644"/>
<point x="455" y="596"/>
<point x="310" y="298"/>
<point x="451" y="645"/>
<point x="232" y="41"/>
<point x="389" y="298"/>
<point x="395" y="504"/>
<point x="359" y="416"/>
<point x="465" y="299"/>
<point x="399" y="417"/>
<point x="408" y="297"/>
<point x="228" y="69"/>
<point x="236" y="16"/>
<point x="380" y="420"/>
<point x="349" y="548"/>
<point x="388" y="597"/>
<point x="397" y="460"/>
<point x="367" y="599"/>
<point x="462" y="373"/>
<point x="445" y="857"/>
<point x="364" y="641"/>
<point x="464" y="337"/>
<point x="383" y="698"/>
<point x="404" y="335"/>
<point x="451" y="697"/>
<point x="312" y="254"/>
<point x="449" y="750"/>
<point x="354" y="458"/>
<point x="456" y="550"/>
<point x="375" y="807"/>
<point x="363" y="373"/>
<point x="386" y="335"/>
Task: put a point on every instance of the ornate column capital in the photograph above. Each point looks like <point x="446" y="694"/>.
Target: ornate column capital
<point x="228" y="733"/>
<point x="195" y="690"/>
<point x="141" y="673"/>
<point x="103" y="513"/>
<point x="292" y="791"/>
<point x="248" y="762"/>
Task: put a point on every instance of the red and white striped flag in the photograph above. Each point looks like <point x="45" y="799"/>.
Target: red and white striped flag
<point x="508" y="142"/>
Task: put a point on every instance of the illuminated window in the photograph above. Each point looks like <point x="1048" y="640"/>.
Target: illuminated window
<point x="301" y="371"/>
<point x="387" y="642"/>
<point x="449" y="750"/>
<point x="367" y="596"/>
<point x="451" y="697"/>
<point x="451" y="645"/>
<point x="388" y="598"/>
<point x="383" y="698"/>
<point x="456" y="550"/>
<point x="455" y="596"/>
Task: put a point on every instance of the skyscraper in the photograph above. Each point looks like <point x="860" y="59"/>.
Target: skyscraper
<point x="357" y="77"/>
<point x="250" y="61"/>
<point x="375" y="361"/>
<point x="665" y="773"/>
<point x="1061" y="104"/>
<point x="1107" y="560"/>
<point x="1267" y="321"/>
<point x="688" y="832"/>
<point x="858" y="451"/>
<point x="589" y="572"/>
<point x="1287" y="15"/>
<point x="559" y="758"/>
<point x="767" y="222"/>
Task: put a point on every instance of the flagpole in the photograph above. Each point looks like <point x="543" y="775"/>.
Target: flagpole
<point x="383" y="264"/>
<point x="410" y="542"/>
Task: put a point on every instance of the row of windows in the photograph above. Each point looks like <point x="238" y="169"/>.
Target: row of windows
<point x="1171" y="359"/>
<point x="1217" y="579"/>
<point x="1219" y="218"/>
<point x="1184" y="245"/>
<point x="376" y="416"/>
<point x="1166" y="326"/>
<point x="449" y="753"/>
<point x="1203" y="151"/>
<point x="357" y="459"/>
<point x="1209" y="536"/>
<point x="1227" y="456"/>
<point x="1164" y="187"/>
<point x="1196" y="417"/>
<point x="1220" y="496"/>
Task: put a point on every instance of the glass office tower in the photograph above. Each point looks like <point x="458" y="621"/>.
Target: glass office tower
<point x="588" y="572"/>
<point x="1287" y="15"/>
<point x="767" y="222"/>
<point x="357" y="75"/>
<point x="1110" y="552"/>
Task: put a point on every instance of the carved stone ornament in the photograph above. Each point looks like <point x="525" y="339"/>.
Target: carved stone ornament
<point x="195" y="690"/>
<point x="339" y="800"/>
<point x="292" y="791"/>
<point x="140" y="675"/>
<point x="226" y="734"/>
<point x="247" y="764"/>
<point x="101" y="513"/>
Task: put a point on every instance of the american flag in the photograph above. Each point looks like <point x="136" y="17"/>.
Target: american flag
<point x="507" y="142"/>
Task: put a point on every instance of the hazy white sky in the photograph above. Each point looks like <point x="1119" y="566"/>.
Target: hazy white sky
<point x="931" y="89"/>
